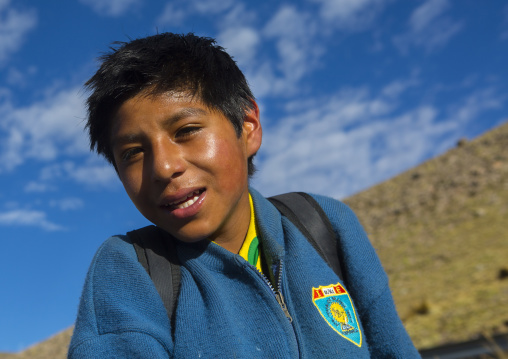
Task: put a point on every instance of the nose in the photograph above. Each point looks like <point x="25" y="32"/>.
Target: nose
<point x="167" y="161"/>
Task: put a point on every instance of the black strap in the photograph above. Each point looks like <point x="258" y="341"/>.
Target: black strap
<point x="308" y="216"/>
<point x="157" y="253"/>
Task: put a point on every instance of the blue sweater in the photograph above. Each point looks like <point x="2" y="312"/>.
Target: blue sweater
<point x="226" y="309"/>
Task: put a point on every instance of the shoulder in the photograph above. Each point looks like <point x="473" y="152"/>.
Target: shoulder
<point x="334" y="207"/>
<point x="114" y="266"/>
<point x="118" y="296"/>
<point x="117" y="244"/>
<point x="115" y="251"/>
<point x="344" y="222"/>
<point x="338" y="212"/>
<point x="115" y="269"/>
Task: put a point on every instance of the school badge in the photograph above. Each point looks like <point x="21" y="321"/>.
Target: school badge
<point x="336" y="307"/>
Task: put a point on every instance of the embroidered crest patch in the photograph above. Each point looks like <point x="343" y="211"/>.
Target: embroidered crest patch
<point x="336" y="307"/>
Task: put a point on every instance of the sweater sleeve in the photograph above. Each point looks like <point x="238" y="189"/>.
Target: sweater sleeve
<point x="367" y="283"/>
<point x="120" y="314"/>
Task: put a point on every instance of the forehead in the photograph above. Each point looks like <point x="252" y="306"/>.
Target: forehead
<point x="162" y="100"/>
<point x="154" y="103"/>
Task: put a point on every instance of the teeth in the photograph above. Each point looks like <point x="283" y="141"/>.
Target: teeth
<point x="189" y="202"/>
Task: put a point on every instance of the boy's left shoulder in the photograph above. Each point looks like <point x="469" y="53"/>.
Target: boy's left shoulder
<point x="333" y="208"/>
<point x="326" y="201"/>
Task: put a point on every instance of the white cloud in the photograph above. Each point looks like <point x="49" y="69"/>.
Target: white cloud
<point x="211" y="6"/>
<point x="111" y="7"/>
<point x="322" y="146"/>
<point x="395" y="88"/>
<point x="241" y="43"/>
<point x="42" y="131"/>
<point x="19" y="78"/>
<point x="428" y="27"/>
<point x="14" y="25"/>
<point x="56" y="171"/>
<point x="175" y="12"/>
<point x="237" y="16"/>
<point x="351" y="15"/>
<point x="23" y="217"/>
<point x="67" y="204"/>
<point x="38" y="187"/>
<point x="474" y="104"/>
<point x="263" y="81"/>
<point x="289" y="22"/>
<point x="504" y="26"/>
<point x="428" y="12"/>
<point x="353" y="139"/>
<point x="93" y="173"/>
<point x="5" y="95"/>
<point x="172" y="15"/>
<point x="298" y="54"/>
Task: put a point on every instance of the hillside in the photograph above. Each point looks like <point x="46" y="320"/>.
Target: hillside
<point x="439" y="230"/>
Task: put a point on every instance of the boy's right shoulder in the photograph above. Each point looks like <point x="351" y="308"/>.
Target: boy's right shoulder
<point x="118" y="300"/>
<point x="114" y="268"/>
<point x="115" y="248"/>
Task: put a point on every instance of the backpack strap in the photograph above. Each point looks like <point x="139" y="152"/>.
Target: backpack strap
<point x="156" y="251"/>
<point x="308" y="216"/>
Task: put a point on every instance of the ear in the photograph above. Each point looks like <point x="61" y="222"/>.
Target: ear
<point x="252" y="131"/>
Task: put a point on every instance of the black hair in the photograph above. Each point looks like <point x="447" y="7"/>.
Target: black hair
<point x="164" y="63"/>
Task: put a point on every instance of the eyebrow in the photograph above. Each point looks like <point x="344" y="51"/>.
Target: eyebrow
<point x="175" y="117"/>
<point x="184" y="113"/>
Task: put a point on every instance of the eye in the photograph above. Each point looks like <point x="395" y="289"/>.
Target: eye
<point x="187" y="131"/>
<point x="130" y="153"/>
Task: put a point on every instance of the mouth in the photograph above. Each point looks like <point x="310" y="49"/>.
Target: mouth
<point x="186" y="201"/>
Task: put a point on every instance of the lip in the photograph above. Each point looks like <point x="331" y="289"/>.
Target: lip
<point x="181" y="195"/>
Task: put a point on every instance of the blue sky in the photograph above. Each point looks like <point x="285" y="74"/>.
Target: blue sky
<point x="352" y="92"/>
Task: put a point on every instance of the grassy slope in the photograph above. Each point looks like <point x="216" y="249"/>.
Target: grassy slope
<point x="440" y="232"/>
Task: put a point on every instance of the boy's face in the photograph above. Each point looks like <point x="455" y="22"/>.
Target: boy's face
<point x="184" y="167"/>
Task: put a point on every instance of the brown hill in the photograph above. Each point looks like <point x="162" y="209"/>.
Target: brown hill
<point x="440" y="233"/>
<point x="440" y="230"/>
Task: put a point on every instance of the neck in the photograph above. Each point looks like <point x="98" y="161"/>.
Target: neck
<point x="233" y="238"/>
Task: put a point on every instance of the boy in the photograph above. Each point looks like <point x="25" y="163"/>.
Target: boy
<point x="175" y="117"/>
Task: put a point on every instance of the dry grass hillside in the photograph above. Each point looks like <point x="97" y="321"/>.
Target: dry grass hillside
<point x="440" y="231"/>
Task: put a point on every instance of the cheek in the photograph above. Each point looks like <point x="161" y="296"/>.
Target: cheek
<point x="132" y="184"/>
<point x="210" y="149"/>
<point x="226" y="159"/>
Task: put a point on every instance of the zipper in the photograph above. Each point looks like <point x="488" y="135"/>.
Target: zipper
<point x="280" y="299"/>
<point x="279" y="296"/>
<point x="277" y="292"/>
